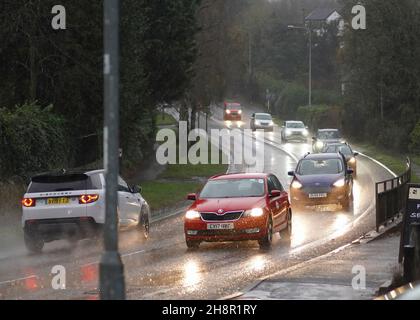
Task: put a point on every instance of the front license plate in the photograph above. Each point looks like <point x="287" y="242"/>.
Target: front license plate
<point x="220" y="226"/>
<point x="317" y="195"/>
<point x="53" y="201"/>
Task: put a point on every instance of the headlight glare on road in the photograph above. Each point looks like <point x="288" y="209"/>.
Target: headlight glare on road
<point x="296" y="185"/>
<point x="340" y="183"/>
<point x="352" y="160"/>
<point x="256" y="212"/>
<point x="192" y="214"/>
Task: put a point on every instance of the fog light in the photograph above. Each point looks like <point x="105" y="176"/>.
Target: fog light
<point x="192" y="232"/>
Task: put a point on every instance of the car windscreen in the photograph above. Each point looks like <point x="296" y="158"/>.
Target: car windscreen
<point x="233" y="107"/>
<point x="59" y="183"/>
<point x="324" y="166"/>
<point x="233" y="188"/>
<point x="328" y="135"/>
<point x="263" y="117"/>
<point x="295" y="125"/>
<point x="343" y="149"/>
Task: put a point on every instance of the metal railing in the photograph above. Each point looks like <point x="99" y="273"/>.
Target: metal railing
<point x="391" y="197"/>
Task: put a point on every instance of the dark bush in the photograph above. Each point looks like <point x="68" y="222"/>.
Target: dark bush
<point x="415" y="139"/>
<point x="320" y="116"/>
<point x="32" y="139"/>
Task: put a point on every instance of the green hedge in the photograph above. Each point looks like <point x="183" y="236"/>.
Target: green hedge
<point x="321" y="116"/>
<point x="32" y="139"/>
<point x="415" y="139"/>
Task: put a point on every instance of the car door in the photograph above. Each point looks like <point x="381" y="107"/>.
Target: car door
<point x="128" y="205"/>
<point x="283" y="200"/>
<point x="274" y="203"/>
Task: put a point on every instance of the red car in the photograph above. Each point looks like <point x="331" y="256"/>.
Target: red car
<point x="232" y="111"/>
<point x="238" y="207"/>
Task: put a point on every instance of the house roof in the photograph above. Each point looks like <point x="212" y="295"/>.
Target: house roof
<point x="320" y="14"/>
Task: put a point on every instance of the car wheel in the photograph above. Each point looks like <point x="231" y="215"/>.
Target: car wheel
<point x="144" y="225"/>
<point x="265" y="242"/>
<point x="33" y="243"/>
<point x="347" y="204"/>
<point x="192" y="244"/>
<point x="287" y="233"/>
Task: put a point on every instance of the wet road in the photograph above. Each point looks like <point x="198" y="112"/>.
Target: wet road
<point x="163" y="268"/>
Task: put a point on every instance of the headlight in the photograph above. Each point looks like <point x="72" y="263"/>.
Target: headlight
<point x="342" y="141"/>
<point x="320" y="144"/>
<point x="352" y="160"/>
<point x="296" y="185"/>
<point x="288" y="132"/>
<point x="305" y="133"/>
<point x="271" y="123"/>
<point x="240" y="112"/>
<point x="192" y="214"/>
<point x="340" y="183"/>
<point x="228" y="111"/>
<point x="256" y="212"/>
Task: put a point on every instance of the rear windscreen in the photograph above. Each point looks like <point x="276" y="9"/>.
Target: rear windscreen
<point x="59" y="183"/>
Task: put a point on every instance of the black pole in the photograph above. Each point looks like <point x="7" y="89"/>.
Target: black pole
<point x="112" y="286"/>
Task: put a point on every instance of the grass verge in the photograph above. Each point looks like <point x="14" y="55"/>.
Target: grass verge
<point x="163" y="194"/>
<point x="165" y="119"/>
<point x="397" y="163"/>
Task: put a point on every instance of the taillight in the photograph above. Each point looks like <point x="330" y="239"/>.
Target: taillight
<point x="88" y="198"/>
<point x="28" y="202"/>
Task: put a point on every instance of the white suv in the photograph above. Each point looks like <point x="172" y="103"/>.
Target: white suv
<point x="72" y="206"/>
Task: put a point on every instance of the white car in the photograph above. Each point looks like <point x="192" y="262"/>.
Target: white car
<point x="262" y="121"/>
<point x="72" y="206"/>
<point x="294" y="130"/>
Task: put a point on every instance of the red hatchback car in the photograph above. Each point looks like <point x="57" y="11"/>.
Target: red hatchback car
<point x="238" y="207"/>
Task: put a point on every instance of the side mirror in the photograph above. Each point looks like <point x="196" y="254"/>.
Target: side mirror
<point x="291" y="173"/>
<point x="136" y="189"/>
<point x="350" y="171"/>
<point x="192" y="197"/>
<point x="275" y="193"/>
<point x="356" y="154"/>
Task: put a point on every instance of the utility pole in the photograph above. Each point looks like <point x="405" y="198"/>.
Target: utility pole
<point x="112" y="285"/>
<point x="310" y="64"/>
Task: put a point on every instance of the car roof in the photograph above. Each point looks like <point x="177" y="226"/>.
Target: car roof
<point x="64" y="172"/>
<point x="294" y="121"/>
<point x="240" y="176"/>
<point x="323" y="156"/>
<point x="323" y="130"/>
<point x="337" y="144"/>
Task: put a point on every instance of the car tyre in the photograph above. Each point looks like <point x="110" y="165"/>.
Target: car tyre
<point x="287" y="233"/>
<point x="33" y="243"/>
<point x="192" y="244"/>
<point x="144" y="225"/>
<point x="266" y="241"/>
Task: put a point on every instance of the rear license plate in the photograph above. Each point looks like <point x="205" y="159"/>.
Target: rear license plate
<point x="220" y="226"/>
<point x="317" y="195"/>
<point x="53" y="201"/>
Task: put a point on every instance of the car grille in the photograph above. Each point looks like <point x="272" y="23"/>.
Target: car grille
<point x="228" y="216"/>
